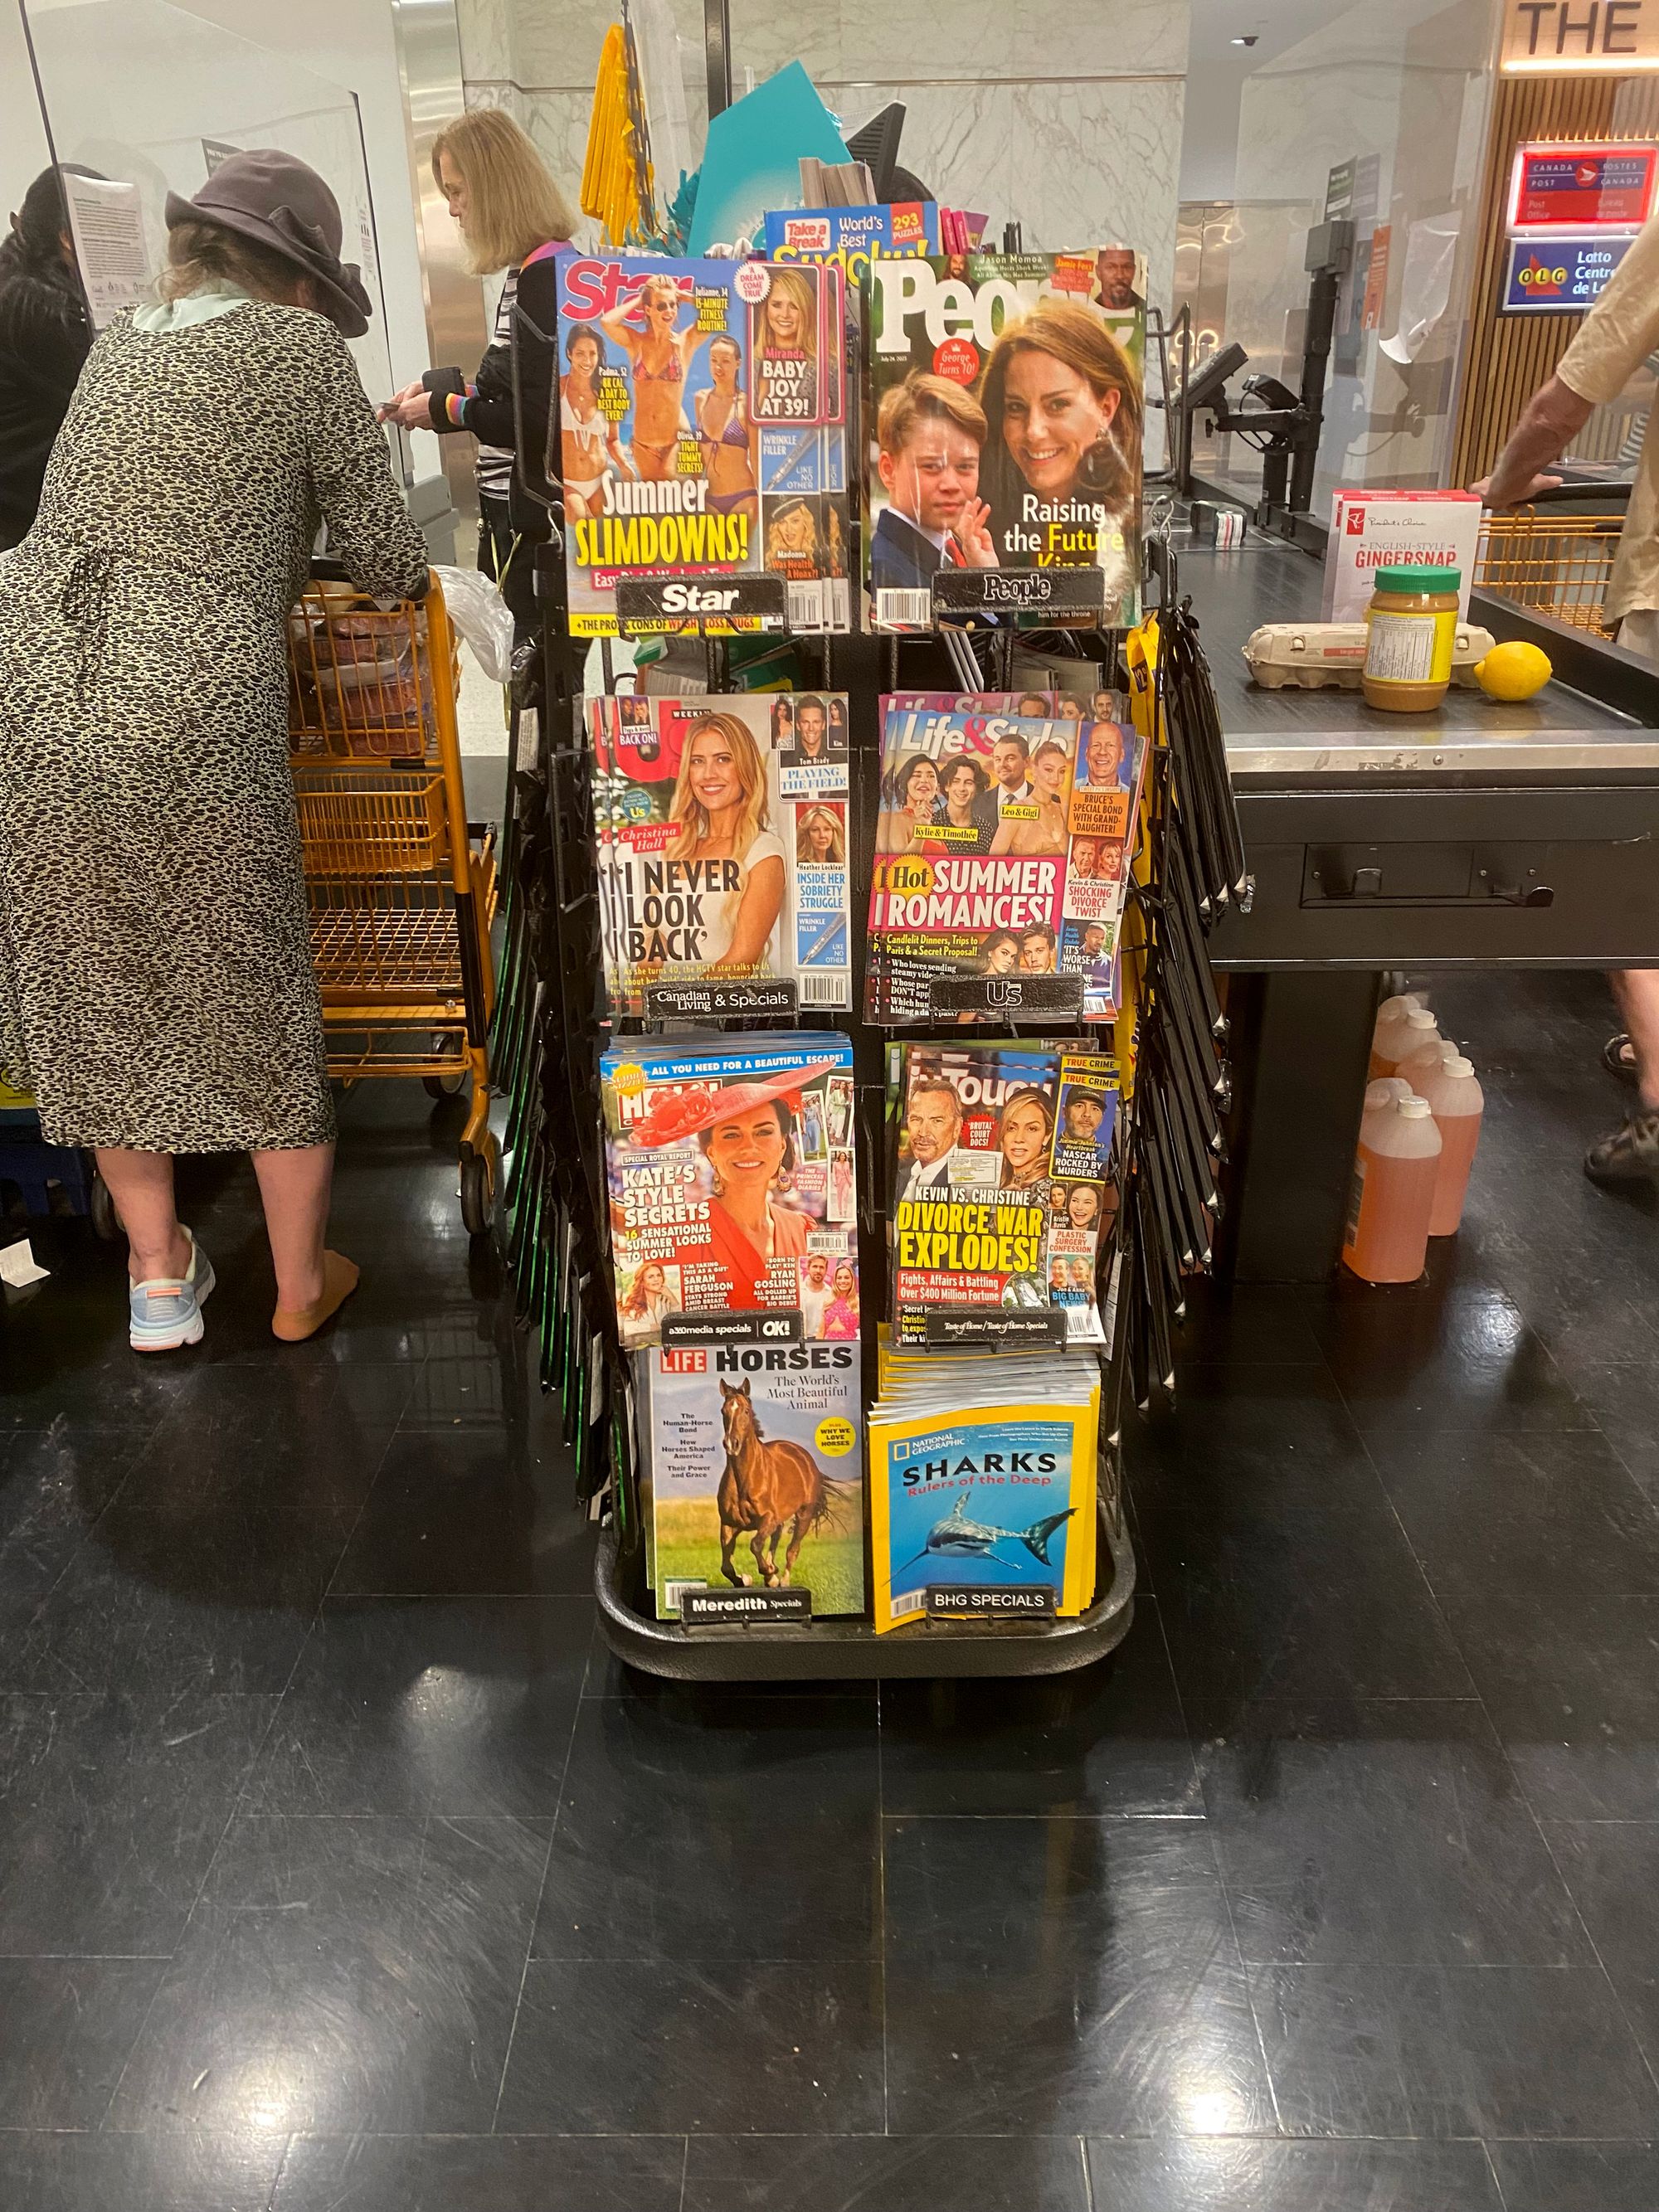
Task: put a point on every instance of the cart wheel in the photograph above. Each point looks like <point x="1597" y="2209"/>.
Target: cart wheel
<point x="478" y="1193"/>
<point x="106" y="1222"/>
<point x="453" y="1080"/>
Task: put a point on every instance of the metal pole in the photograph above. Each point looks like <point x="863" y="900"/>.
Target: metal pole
<point x="717" y="48"/>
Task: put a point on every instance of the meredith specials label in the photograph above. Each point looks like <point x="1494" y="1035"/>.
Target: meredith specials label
<point x="713" y="1609"/>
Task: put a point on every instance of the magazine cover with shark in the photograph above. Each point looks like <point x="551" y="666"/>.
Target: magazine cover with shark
<point x="722" y="829"/>
<point x="726" y="1189"/>
<point x="1004" y="422"/>
<point x="755" y="1471"/>
<point x="999" y="1497"/>
<point x="1001" y="1193"/>
<point x="702" y="417"/>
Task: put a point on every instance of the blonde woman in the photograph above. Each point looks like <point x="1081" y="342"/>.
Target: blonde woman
<point x="661" y="355"/>
<point x="508" y="207"/>
<point x="1050" y="778"/>
<point x="720" y="812"/>
<point x="819" y="837"/>
<point x="785" y="339"/>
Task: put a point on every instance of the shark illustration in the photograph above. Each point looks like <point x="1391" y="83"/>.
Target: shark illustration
<point x="961" y="1538"/>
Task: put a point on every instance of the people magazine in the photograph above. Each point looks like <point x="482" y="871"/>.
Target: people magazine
<point x="721" y="825"/>
<point x="1003" y="423"/>
<point x="702" y="411"/>
<point x="731" y="1177"/>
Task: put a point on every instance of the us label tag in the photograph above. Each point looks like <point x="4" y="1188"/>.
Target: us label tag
<point x="1007" y="995"/>
<point x="1072" y="592"/>
<point x="706" y="605"/>
<point x="713" y="1000"/>
<point x="711" y="1609"/>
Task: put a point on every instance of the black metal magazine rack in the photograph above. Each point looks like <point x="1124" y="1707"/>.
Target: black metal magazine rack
<point x="552" y="1027"/>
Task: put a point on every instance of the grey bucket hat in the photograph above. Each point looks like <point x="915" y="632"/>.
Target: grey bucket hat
<point x="279" y="203"/>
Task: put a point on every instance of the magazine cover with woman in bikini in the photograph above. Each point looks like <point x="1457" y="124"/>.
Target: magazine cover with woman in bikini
<point x="703" y="423"/>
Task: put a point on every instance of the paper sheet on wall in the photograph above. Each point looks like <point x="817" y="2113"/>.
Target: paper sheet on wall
<point x="1425" y="284"/>
<point x="107" y="226"/>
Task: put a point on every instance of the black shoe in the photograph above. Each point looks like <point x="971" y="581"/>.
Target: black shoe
<point x="1630" y="1154"/>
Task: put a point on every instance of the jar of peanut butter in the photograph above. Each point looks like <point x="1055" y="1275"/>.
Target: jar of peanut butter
<point x="1411" y="627"/>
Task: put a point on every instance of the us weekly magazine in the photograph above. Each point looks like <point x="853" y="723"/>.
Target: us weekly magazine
<point x="1004" y="421"/>
<point x="730" y="1180"/>
<point x="990" y="1511"/>
<point x="703" y="415"/>
<point x="753" y="1471"/>
<point x="1002" y="1187"/>
<point x="1003" y="845"/>
<point x="721" y="834"/>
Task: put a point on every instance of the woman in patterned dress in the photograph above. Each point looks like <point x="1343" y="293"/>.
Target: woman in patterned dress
<point x="155" y="978"/>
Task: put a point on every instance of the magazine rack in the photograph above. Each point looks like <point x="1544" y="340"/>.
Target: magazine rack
<point x="558" y="1242"/>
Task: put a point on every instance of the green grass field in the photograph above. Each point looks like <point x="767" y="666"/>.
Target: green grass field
<point x="831" y="1566"/>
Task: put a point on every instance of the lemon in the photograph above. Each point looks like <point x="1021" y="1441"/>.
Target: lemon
<point x="1514" y="671"/>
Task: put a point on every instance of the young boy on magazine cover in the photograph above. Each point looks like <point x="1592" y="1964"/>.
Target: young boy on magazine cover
<point x="930" y="434"/>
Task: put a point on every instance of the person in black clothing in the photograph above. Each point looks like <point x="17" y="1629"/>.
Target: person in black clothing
<point x="509" y="209"/>
<point x="45" y="335"/>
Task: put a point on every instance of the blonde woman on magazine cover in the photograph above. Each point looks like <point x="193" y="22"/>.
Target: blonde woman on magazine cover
<point x="660" y="356"/>
<point x="719" y="812"/>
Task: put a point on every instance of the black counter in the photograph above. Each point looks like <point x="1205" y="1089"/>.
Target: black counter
<point x="1481" y="834"/>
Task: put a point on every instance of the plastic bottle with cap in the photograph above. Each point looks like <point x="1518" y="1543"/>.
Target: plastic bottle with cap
<point x="1412" y="1033"/>
<point x="1457" y="1103"/>
<point x="1393" y="1194"/>
<point x="1391" y="1028"/>
<point x="1427" y="1059"/>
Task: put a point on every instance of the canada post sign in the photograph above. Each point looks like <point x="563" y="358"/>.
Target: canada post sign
<point x="1559" y="276"/>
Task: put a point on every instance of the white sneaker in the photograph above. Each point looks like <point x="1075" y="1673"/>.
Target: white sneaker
<point x="165" y="1312"/>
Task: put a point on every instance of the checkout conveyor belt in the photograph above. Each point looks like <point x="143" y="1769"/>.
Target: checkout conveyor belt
<point x="1483" y="835"/>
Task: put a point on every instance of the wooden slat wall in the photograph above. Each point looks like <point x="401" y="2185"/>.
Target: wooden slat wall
<point x="1510" y="355"/>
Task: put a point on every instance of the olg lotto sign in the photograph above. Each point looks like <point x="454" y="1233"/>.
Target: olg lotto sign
<point x="1559" y="276"/>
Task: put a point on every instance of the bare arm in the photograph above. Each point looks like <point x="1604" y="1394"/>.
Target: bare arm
<point x="1553" y="417"/>
<point x="616" y="325"/>
<point x="757" y="916"/>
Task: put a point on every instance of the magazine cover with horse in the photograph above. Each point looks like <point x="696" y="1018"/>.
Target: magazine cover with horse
<point x="702" y="420"/>
<point x="756" y="1472"/>
<point x="728" y="1189"/>
<point x="1004" y="422"/>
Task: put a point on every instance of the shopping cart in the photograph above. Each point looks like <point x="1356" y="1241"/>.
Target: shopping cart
<point x="1557" y="563"/>
<point x="401" y="889"/>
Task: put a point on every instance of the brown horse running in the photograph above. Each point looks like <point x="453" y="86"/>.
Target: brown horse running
<point x="766" y="1488"/>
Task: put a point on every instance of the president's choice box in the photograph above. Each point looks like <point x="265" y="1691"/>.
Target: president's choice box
<point x="1373" y="530"/>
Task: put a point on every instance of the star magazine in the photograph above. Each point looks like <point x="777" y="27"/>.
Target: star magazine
<point x="703" y="415"/>
<point x="1004" y="421"/>
<point x="721" y="828"/>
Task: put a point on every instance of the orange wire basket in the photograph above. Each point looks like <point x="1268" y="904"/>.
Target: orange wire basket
<point x="401" y="892"/>
<point x="1560" y="564"/>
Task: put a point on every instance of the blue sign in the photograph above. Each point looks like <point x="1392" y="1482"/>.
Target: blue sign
<point x="1559" y="276"/>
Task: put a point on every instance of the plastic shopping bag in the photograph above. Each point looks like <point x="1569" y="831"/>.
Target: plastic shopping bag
<point x="480" y="613"/>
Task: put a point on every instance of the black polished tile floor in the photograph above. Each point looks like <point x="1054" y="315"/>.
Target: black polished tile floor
<point x="342" y="1869"/>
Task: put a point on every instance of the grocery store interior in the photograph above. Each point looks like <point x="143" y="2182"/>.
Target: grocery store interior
<point x="367" y="1839"/>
